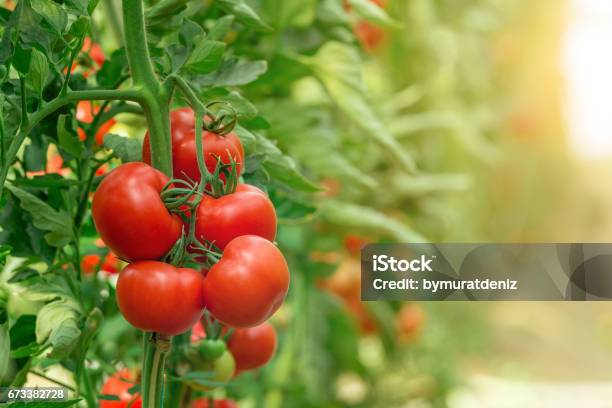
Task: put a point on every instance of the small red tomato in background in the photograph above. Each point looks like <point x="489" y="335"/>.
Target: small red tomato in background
<point x="118" y="385"/>
<point x="248" y="284"/>
<point x="111" y="263"/>
<point x="131" y="217"/>
<point x="157" y="297"/>
<point x="184" y="159"/>
<point x="94" y="51"/>
<point x="85" y="112"/>
<point x="370" y="36"/>
<point x="253" y="347"/>
<point x="204" y="403"/>
<point x="197" y="332"/>
<point x="409" y="321"/>
<point x="353" y="243"/>
<point x="89" y="263"/>
<point x="247" y="211"/>
<point x="54" y="164"/>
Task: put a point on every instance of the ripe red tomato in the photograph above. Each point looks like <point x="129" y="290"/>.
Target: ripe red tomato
<point x="85" y="113"/>
<point x="90" y="263"/>
<point x="54" y="165"/>
<point x="184" y="159"/>
<point x="353" y="243"/>
<point x="157" y="297"/>
<point x="409" y="321"/>
<point x="247" y="211"/>
<point x="197" y="332"/>
<point x="111" y="263"/>
<point x="369" y="35"/>
<point x="118" y="384"/>
<point x="253" y="347"/>
<point x="204" y="403"/>
<point x="130" y="215"/>
<point x="95" y="53"/>
<point x="248" y="284"/>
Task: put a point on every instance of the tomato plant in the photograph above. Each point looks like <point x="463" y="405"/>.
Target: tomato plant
<point x="248" y="110"/>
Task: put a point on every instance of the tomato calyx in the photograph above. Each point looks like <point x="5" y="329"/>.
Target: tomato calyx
<point x="215" y="184"/>
<point x="179" y="194"/>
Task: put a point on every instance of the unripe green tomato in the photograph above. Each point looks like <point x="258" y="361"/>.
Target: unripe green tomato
<point x="221" y="369"/>
<point x="224" y="367"/>
<point x="212" y="349"/>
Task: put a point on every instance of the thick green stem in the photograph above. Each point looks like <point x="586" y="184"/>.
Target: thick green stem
<point x="156" y="107"/>
<point x="156" y="348"/>
<point x="136" y="45"/>
<point x="199" y="111"/>
<point x="156" y="101"/>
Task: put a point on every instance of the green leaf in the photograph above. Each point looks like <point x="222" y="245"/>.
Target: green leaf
<point x="68" y="139"/>
<point x="373" y="13"/>
<point x="79" y="6"/>
<point x="113" y="70"/>
<point x="244" y="13"/>
<point x="20" y="378"/>
<point x="357" y="216"/>
<point x="57" y="325"/>
<point x="163" y="10"/>
<point x="5" y="347"/>
<point x="5" y="251"/>
<point x="338" y="67"/>
<point x="57" y="223"/>
<point x="289" y="209"/>
<point x="282" y="168"/>
<point x="125" y="148"/>
<point x="18" y="232"/>
<point x="21" y="59"/>
<point x="206" y="57"/>
<point x="45" y="181"/>
<point x="52" y="13"/>
<point x="296" y="13"/>
<point x="25" y="351"/>
<point x="22" y="332"/>
<point x="81" y="26"/>
<point x="221" y="28"/>
<point x="247" y="139"/>
<point x="233" y="72"/>
<point x="23" y="274"/>
<point x="38" y="71"/>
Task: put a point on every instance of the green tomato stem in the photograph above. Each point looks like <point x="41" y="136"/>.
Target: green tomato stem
<point x="199" y="110"/>
<point x="156" y="98"/>
<point x="156" y="348"/>
<point x="136" y="45"/>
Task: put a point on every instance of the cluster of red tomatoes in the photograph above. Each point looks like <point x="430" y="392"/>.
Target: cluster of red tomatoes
<point x="248" y="277"/>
